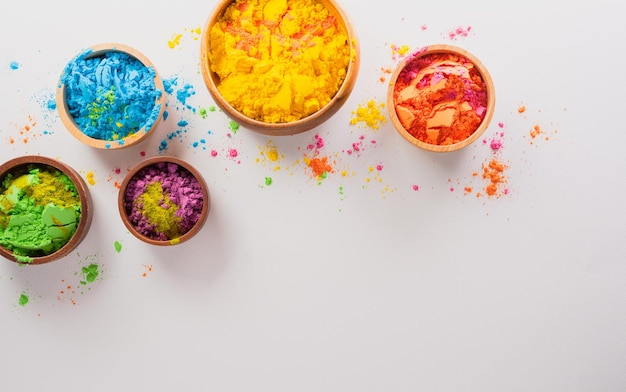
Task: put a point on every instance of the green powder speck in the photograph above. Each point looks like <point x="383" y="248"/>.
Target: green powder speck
<point x="268" y="181"/>
<point x="23" y="299"/>
<point x="202" y="112"/>
<point x="90" y="273"/>
<point x="118" y="246"/>
<point x="212" y="109"/>
<point x="233" y="126"/>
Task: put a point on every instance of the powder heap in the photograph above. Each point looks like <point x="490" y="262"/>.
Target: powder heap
<point x="112" y="95"/>
<point x="440" y="98"/>
<point x="39" y="211"/>
<point x="279" y="61"/>
<point x="163" y="201"/>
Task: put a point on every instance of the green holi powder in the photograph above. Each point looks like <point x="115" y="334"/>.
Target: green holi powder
<point x="23" y="259"/>
<point x="212" y="108"/>
<point x="118" y="246"/>
<point x="233" y="126"/>
<point x="341" y="190"/>
<point x="202" y="112"/>
<point x="23" y="299"/>
<point x="268" y="181"/>
<point x="90" y="273"/>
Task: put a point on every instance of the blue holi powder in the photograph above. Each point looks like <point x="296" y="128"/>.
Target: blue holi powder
<point x="165" y="114"/>
<point x="182" y="123"/>
<point x="52" y="105"/>
<point x="14" y="65"/>
<point x="112" y="95"/>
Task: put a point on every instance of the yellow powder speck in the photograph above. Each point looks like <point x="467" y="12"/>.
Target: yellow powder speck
<point x="370" y="114"/>
<point x="90" y="178"/>
<point x="175" y="41"/>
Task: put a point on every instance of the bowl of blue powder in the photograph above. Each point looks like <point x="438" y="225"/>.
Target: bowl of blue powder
<point x="110" y="96"/>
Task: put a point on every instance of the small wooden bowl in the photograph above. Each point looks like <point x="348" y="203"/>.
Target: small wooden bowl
<point x="491" y="98"/>
<point x="141" y="134"/>
<point x="150" y="162"/>
<point x="21" y="165"/>
<point x="212" y="80"/>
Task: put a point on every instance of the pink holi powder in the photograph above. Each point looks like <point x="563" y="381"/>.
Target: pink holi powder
<point x="459" y="32"/>
<point x="415" y="187"/>
<point x="501" y="124"/>
<point x="379" y="167"/>
<point x="495" y="144"/>
<point x="213" y="153"/>
<point x="233" y="153"/>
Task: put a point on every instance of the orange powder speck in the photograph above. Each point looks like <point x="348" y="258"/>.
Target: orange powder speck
<point x="468" y="189"/>
<point x="494" y="173"/>
<point x="521" y="109"/>
<point x="11" y="140"/>
<point x="117" y="185"/>
<point x="535" y="131"/>
<point x="319" y="166"/>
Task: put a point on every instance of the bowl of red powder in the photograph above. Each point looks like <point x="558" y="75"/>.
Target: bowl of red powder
<point x="164" y="201"/>
<point x="110" y="96"/>
<point x="279" y="67"/>
<point x="441" y="98"/>
<point x="45" y="210"/>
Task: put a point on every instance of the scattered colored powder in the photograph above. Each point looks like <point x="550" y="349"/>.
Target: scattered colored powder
<point x="234" y="126"/>
<point x="440" y="98"/>
<point x="23" y="300"/>
<point x="90" y="273"/>
<point x="175" y="41"/>
<point x="535" y="131"/>
<point x="163" y="201"/>
<point x="112" y="95"/>
<point x="14" y="65"/>
<point x="397" y="51"/>
<point x="202" y="112"/>
<point x="459" y="32"/>
<point x="320" y="166"/>
<point x="521" y="109"/>
<point x="279" y="61"/>
<point x="371" y="114"/>
<point x="495" y="144"/>
<point x="268" y="181"/>
<point x="118" y="246"/>
<point x="90" y="178"/>
<point x="493" y="172"/>
<point x="39" y="211"/>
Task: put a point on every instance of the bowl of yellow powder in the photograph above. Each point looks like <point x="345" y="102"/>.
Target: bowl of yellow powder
<point x="164" y="201"/>
<point x="45" y="210"/>
<point x="441" y="98"/>
<point x="110" y="96"/>
<point x="279" y="67"/>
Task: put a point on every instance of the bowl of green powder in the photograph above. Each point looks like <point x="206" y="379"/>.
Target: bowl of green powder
<point x="279" y="67"/>
<point x="110" y="96"/>
<point x="45" y="209"/>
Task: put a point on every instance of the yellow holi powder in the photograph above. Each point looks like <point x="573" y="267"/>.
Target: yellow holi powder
<point x="175" y="41"/>
<point x="279" y="61"/>
<point x="90" y="178"/>
<point x="153" y="201"/>
<point x="370" y="114"/>
<point x="269" y="155"/>
<point x="399" y="50"/>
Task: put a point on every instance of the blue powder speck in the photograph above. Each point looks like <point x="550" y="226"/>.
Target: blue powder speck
<point x="202" y="141"/>
<point x="52" y="105"/>
<point x="182" y="123"/>
<point x="14" y="65"/>
<point x="185" y="92"/>
<point x="195" y="144"/>
<point x="165" y="114"/>
<point x="110" y="96"/>
<point x="168" y="84"/>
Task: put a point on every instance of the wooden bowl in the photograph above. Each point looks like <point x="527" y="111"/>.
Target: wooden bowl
<point x="125" y="211"/>
<point x="22" y="165"/>
<point x="212" y="80"/>
<point x="152" y="119"/>
<point x="489" y="109"/>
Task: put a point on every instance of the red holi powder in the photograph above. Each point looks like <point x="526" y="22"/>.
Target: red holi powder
<point x="142" y="153"/>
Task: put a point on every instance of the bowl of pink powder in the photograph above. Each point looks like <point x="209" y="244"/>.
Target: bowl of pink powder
<point x="45" y="209"/>
<point x="110" y="96"/>
<point x="164" y="201"/>
<point x="441" y="98"/>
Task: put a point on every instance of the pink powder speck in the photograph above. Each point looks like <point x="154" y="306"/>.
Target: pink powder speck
<point x="142" y="153"/>
<point x="213" y="153"/>
<point x="459" y="32"/>
<point x="501" y="124"/>
<point x="379" y="167"/>
<point x="495" y="144"/>
<point x="451" y="189"/>
<point x="117" y="170"/>
<point x="415" y="187"/>
<point x="233" y="153"/>
<point x="424" y="27"/>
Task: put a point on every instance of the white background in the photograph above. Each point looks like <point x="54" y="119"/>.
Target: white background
<point x="345" y="284"/>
